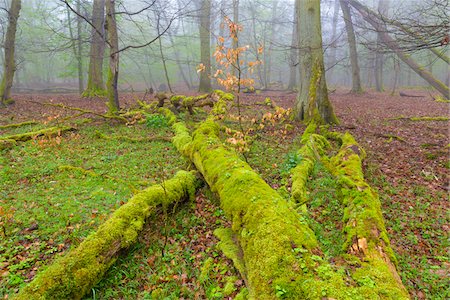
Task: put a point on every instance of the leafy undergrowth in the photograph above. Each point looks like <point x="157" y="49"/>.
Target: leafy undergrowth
<point x="418" y="228"/>
<point x="176" y="258"/>
<point x="55" y="190"/>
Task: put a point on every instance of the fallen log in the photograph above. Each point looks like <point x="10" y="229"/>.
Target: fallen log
<point x="17" y="124"/>
<point x="278" y="254"/>
<point x="366" y="235"/>
<point x="402" y="94"/>
<point x="73" y="275"/>
<point x="22" y="137"/>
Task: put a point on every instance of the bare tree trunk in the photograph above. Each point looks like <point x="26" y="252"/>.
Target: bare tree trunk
<point x="293" y="57"/>
<point x="333" y="46"/>
<point x="113" y="73"/>
<point x="205" y="46"/>
<point x="396" y="72"/>
<point x="372" y="19"/>
<point x="268" y="62"/>
<point x="95" y="85"/>
<point x="356" y="78"/>
<point x="383" y="6"/>
<point x="312" y="102"/>
<point x="10" y="43"/>
<point x="76" y="44"/>
<point x="253" y="16"/>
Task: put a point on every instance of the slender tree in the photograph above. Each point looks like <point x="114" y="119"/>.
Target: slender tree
<point x="205" y="45"/>
<point x="356" y="78"/>
<point x="312" y="102"/>
<point x="77" y="44"/>
<point x="113" y="72"/>
<point x="293" y="56"/>
<point x="95" y="85"/>
<point x="9" y="61"/>
<point x="373" y="19"/>
<point x="379" y="57"/>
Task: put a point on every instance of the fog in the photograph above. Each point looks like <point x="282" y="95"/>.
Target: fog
<point x="49" y="34"/>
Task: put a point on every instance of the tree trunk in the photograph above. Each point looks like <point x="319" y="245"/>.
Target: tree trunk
<point x="312" y="101"/>
<point x="383" y="6"/>
<point x="273" y="34"/>
<point x="334" y="37"/>
<point x="255" y="40"/>
<point x="76" y="44"/>
<point x="205" y="46"/>
<point x="293" y="57"/>
<point x="373" y="20"/>
<point x="95" y="85"/>
<point x="9" y="63"/>
<point x="113" y="73"/>
<point x="356" y="78"/>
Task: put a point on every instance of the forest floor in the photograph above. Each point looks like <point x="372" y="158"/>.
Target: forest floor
<point x="55" y="190"/>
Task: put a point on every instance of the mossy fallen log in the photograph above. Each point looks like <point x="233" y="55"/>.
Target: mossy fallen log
<point x="438" y="118"/>
<point x="366" y="235"/>
<point x="15" y="125"/>
<point x="278" y="253"/>
<point x="22" y="137"/>
<point x="73" y="275"/>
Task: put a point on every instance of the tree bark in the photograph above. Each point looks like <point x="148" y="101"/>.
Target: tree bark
<point x="113" y="73"/>
<point x="76" y="44"/>
<point x="10" y="43"/>
<point x="205" y="46"/>
<point x="383" y="6"/>
<point x="293" y="57"/>
<point x="356" y="78"/>
<point x="312" y="101"/>
<point x="95" y="85"/>
<point x="235" y="42"/>
<point x="373" y="20"/>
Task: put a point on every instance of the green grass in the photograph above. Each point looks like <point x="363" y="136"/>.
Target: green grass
<point x="66" y="204"/>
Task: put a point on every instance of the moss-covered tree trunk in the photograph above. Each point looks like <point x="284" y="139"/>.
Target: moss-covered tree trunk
<point x="113" y="72"/>
<point x="73" y="275"/>
<point x="9" y="67"/>
<point x="356" y="78"/>
<point x="373" y="20"/>
<point x="205" y="45"/>
<point x="95" y="85"/>
<point x="312" y="100"/>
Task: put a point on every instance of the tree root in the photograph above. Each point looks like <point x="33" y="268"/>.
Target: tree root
<point x="73" y="275"/>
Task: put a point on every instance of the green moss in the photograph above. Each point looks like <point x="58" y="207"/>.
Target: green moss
<point x="94" y="92"/>
<point x="429" y="118"/>
<point x="7" y="143"/>
<point x="229" y="246"/>
<point x="72" y="276"/>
